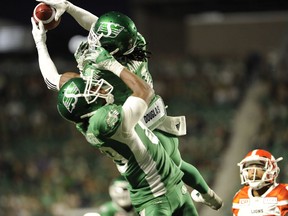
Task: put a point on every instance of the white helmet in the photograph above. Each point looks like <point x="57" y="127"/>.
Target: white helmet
<point x="119" y="192"/>
<point x="259" y="159"/>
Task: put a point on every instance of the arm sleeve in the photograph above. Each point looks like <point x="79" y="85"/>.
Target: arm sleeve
<point x="48" y="68"/>
<point x="134" y="108"/>
<point x="83" y="17"/>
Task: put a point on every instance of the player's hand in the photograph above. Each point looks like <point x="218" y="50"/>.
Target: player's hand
<point x="38" y="32"/>
<point x="60" y="6"/>
<point x="103" y="60"/>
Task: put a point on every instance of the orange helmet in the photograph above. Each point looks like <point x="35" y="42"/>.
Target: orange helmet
<point x="259" y="159"/>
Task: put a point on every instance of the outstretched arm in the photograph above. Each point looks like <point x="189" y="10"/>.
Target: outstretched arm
<point x="52" y="78"/>
<point x="83" y="17"/>
<point x="47" y="67"/>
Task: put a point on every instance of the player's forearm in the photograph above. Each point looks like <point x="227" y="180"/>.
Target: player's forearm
<point x="103" y="60"/>
<point x="83" y="17"/>
<point x="139" y="87"/>
<point x="48" y="68"/>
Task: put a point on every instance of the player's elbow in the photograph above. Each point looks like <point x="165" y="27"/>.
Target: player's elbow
<point x="51" y="86"/>
<point x="148" y="95"/>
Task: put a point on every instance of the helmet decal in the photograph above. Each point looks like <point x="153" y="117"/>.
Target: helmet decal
<point x="114" y="31"/>
<point x="68" y="101"/>
<point x="109" y="29"/>
<point x="79" y="98"/>
<point x="112" y="118"/>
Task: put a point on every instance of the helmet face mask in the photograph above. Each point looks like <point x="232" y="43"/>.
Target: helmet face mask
<point x="115" y="32"/>
<point x="79" y="98"/>
<point x="94" y="39"/>
<point x="119" y="192"/>
<point x="256" y="174"/>
<point x="258" y="169"/>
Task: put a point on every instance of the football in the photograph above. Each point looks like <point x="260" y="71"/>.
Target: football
<point x="46" y="14"/>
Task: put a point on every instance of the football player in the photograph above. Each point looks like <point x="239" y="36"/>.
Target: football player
<point x="120" y="203"/>
<point x="155" y="182"/>
<point x="118" y="34"/>
<point x="261" y="194"/>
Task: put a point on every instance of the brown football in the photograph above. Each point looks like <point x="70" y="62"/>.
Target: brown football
<point x="46" y="14"/>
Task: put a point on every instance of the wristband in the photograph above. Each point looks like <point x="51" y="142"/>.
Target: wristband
<point x="116" y="68"/>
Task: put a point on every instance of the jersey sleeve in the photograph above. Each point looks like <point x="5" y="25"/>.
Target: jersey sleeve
<point x="283" y="199"/>
<point x="240" y="194"/>
<point x="235" y="204"/>
<point x="104" y="122"/>
<point x="48" y="69"/>
<point x="134" y="109"/>
<point x="82" y="16"/>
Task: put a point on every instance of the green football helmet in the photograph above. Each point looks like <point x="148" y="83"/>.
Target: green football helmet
<point x="115" y="32"/>
<point x="79" y="98"/>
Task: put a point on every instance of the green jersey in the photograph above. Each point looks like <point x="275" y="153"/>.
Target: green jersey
<point x="138" y="153"/>
<point x="156" y="112"/>
<point x="145" y="186"/>
<point x="112" y="209"/>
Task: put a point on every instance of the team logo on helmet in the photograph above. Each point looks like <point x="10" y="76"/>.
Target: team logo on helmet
<point x="108" y="29"/>
<point x="112" y="118"/>
<point x="68" y="100"/>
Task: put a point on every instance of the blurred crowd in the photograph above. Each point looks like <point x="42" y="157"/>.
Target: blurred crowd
<point x="46" y="167"/>
<point x="273" y="131"/>
<point x="208" y="91"/>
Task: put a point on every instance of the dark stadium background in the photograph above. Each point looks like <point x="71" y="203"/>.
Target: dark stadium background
<point x="220" y="63"/>
<point x="171" y="9"/>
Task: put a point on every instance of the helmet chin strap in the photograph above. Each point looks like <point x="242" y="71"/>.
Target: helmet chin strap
<point x="256" y="185"/>
<point x="109" y="99"/>
<point x="114" y="51"/>
<point x="88" y="114"/>
<point x="130" y="50"/>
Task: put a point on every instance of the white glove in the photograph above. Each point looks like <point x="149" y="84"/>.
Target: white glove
<point x="103" y="60"/>
<point x="83" y="17"/>
<point x="39" y="33"/>
<point x="60" y="5"/>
